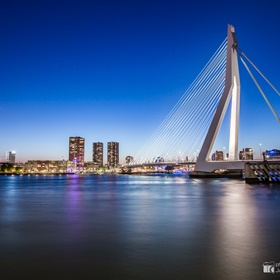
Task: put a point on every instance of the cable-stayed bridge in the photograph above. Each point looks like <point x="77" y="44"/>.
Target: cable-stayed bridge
<point x="189" y="131"/>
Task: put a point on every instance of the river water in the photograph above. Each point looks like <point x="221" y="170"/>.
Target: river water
<point x="136" y="227"/>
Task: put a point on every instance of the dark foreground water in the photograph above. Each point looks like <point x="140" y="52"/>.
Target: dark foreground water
<point x="136" y="227"/>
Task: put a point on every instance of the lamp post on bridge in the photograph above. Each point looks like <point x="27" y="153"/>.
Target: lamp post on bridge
<point x="260" y="151"/>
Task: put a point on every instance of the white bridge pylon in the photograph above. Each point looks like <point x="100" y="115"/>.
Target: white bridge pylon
<point x="231" y="92"/>
<point x="201" y="110"/>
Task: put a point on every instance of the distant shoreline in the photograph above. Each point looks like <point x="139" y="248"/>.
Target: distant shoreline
<point x="35" y="174"/>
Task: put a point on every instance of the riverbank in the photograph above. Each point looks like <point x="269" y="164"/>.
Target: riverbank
<point x="35" y="174"/>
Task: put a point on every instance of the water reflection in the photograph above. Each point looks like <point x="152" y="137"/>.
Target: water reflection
<point x="73" y="213"/>
<point x="137" y="227"/>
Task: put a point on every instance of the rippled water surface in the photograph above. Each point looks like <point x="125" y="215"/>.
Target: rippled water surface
<point x="136" y="227"/>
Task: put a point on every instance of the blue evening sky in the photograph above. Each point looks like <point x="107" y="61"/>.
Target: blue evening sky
<point x="112" y="70"/>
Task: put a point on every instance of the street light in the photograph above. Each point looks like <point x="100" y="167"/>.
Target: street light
<point x="260" y="151"/>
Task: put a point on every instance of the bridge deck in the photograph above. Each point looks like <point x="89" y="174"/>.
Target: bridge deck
<point x="159" y="164"/>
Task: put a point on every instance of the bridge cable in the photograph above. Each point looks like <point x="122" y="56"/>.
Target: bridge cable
<point x="241" y="53"/>
<point x="260" y="89"/>
<point x="183" y="128"/>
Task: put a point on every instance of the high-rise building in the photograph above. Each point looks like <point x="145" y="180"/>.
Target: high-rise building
<point x="218" y="155"/>
<point x="128" y="159"/>
<point x="11" y="156"/>
<point x="97" y="153"/>
<point x="112" y="154"/>
<point x="246" y="154"/>
<point x="241" y="155"/>
<point x="77" y="150"/>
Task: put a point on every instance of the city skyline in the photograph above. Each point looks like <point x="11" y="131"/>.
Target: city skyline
<point x="115" y="70"/>
<point x="77" y="152"/>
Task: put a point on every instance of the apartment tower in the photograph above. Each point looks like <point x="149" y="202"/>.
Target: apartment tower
<point x="97" y="153"/>
<point x="77" y="150"/>
<point x="113" y="154"/>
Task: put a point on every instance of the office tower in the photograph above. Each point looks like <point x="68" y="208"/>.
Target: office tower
<point x="97" y="153"/>
<point x="112" y="154"/>
<point x="241" y="155"/>
<point x="11" y="156"/>
<point x="128" y="159"/>
<point x="246" y="154"/>
<point x="77" y="150"/>
<point x="218" y="155"/>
